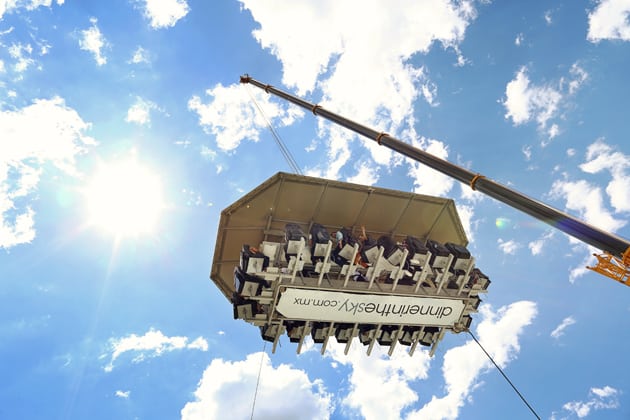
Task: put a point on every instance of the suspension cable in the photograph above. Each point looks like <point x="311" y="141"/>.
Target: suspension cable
<point x="283" y="148"/>
<point x="262" y="358"/>
<point x="504" y="375"/>
<point x="295" y="168"/>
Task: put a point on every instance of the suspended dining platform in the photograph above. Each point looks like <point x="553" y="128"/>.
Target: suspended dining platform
<point x="302" y="256"/>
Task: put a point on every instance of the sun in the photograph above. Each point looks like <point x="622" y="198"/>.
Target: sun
<point x="125" y="199"/>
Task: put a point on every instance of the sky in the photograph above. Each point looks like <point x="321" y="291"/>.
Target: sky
<point x="124" y="132"/>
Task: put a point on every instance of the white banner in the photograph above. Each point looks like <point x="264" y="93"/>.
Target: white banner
<point x="321" y="305"/>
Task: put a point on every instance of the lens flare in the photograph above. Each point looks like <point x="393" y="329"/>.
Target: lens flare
<point x="502" y="223"/>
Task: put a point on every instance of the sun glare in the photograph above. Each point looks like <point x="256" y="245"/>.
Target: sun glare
<point x="125" y="199"/>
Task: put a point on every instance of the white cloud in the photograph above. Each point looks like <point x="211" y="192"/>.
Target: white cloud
<point x="198" y="343"/>
<point x="283" y="392"/>
<point x="466" y="209"/>
<point x="548" y="17"/>
<point x="553" y="131"/>
<point x="44" y="48"/>
<point x="140" y="55"/>
<point x="340" y="61"/>
<point x="397" y="33"/>
<point x="599" y="157"/>
<point x="598" y="399"/>
<point x="164" y="13"/>
<point x="140" y="112"/>
<point x="588" y="261"/>
<point x="380" y="385"/>
<point x="426" y="180"/>
<point x="605" y="392"/>
<point x="519" y="39"/>
<point x="367" y="174"/>
<point x="92" y="40"/>
<point x="123" y="394"/>
<point x="22" y="55"/>
<point x="508" y="247"/>
<point x="429" y="92"/>
<point x="46" y="131"/>
<point x="527" y="151"/>
<point x="498" y="332"/>
<point x="536" y="246"/>
<point x="231" y="116"/>
<point x="193" y="198"/>
<point x="466" y="214"/>
<point x="579" y="76"/>
<point x="559" y="330"/>
<point x="609" y="20"/>
<point x="33" y="4"/>
<point x="469" y="194"/>
<point x="338" y="152"/>
<point x="183" y="143"/>
<point x="208" y="153"/>
<point x="586" y="199"/>
<point x="153" y="343"/>
<point x="8" y="6"/>
<point x="211" y="155"/>
<point x="525" y="101"/>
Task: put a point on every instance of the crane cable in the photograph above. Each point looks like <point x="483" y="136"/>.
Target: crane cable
<point x="295" y="168"/>
<point x="504" y="375"/>
<point x="262" y="358"/>
<point x="283" y="148"/>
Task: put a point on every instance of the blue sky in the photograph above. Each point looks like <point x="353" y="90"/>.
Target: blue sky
<point x="106" y="308"/>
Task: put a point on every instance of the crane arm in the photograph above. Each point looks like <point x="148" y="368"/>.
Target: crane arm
<point x="614" y="262"/>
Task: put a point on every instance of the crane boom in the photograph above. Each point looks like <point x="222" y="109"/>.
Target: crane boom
<point x="614" y="262"/>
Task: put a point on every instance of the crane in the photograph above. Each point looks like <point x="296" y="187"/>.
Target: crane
<point x="614" y="259"/>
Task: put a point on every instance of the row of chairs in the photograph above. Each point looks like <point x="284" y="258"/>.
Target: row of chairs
<point x="377" y="259"/>
<point x="384" y="335"/>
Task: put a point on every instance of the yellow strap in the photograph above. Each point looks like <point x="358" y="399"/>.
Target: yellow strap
<point x="474" y="181"/>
